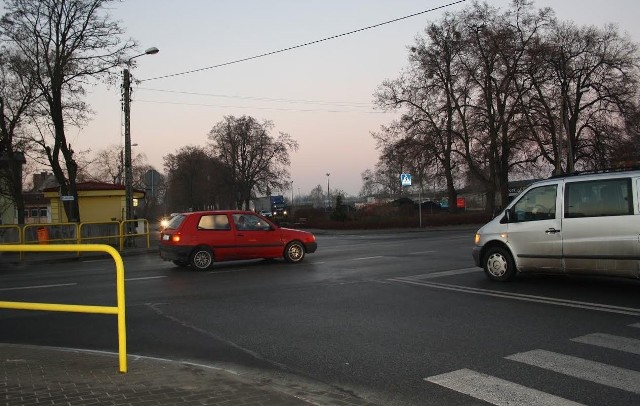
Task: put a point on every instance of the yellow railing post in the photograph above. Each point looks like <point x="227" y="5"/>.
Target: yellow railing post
<point x="118" y="310"/>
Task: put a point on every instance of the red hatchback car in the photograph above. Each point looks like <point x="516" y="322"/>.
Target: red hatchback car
<point x="200" y="238"/>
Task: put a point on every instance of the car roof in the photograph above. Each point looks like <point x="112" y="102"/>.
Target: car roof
<point x="219" y="212"/>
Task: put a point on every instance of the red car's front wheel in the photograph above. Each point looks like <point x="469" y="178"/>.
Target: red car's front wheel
<point x="294" y="252"/>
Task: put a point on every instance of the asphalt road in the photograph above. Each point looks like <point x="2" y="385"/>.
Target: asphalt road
<point x="397" y="318"/>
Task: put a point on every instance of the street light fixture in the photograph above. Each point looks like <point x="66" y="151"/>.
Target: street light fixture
<point x="328" y="194"/>
<point x="128" y="174"/>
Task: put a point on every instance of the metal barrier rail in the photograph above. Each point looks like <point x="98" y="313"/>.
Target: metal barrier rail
<point x="118" y="310"/>
<point x="45" y="233"/>
<point x="129" y="224"/>
<point x="7" y="229"/>
<point x="50" y="232"/>
<point x="115" y="225"/>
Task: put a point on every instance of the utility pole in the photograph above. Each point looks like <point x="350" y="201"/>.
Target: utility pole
<point x="128" y="174"/>
<point x="126" y="97"/>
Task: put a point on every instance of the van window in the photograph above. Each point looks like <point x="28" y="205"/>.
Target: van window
<point x="537" y="204"/>
<point x="609" y="197"/>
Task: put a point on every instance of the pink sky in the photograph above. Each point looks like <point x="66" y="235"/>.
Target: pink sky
<point x="325" y="90"/>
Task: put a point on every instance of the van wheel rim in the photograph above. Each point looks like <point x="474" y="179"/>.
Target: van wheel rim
<point x="497" y="265"/>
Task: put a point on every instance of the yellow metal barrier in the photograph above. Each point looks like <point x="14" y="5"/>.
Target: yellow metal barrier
<point x="118" y="309"/>
<point x="47" y="233"/>
<point x="126" y="232"/>
<point x="115" y="225"/>
<point x="11" y="234"/>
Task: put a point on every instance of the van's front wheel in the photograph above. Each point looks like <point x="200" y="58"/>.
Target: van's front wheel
<point x="499" y="265"/>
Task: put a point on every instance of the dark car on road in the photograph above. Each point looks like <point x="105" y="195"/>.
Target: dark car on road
<point x="201" y="238"/>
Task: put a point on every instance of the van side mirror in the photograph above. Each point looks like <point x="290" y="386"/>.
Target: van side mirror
<point x="508" y="217"/>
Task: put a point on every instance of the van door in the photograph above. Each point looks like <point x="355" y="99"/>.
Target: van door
<point x="600" y="230"/>
<point x="534" y="232"/>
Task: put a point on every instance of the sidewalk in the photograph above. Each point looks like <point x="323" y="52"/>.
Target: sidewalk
<point x="35" y="375"/>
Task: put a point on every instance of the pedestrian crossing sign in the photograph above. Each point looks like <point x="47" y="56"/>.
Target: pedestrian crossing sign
<point x="405" y="179"/>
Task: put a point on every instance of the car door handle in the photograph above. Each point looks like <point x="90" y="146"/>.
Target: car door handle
<point x="552" y="231"/>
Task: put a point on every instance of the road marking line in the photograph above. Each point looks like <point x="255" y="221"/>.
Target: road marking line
<point x="441" y="274"/>
<point x="145" y="278"/>
<point x="522" y="297"/>
<point x="495" y="390"/>
<point x="39" y="286"/>
<point x="609" y="375"/>
<point x="422" y="252"/>
<point x="365" y="258"/>
<point x="635" y="325"/>
<point x="625" y="344"/>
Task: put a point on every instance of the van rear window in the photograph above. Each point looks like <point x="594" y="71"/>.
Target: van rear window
<point x="608" y="197"/>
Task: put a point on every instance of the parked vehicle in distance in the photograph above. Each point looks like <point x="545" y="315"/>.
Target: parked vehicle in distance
<point x="200" y="238"/>
<point x="576" y="224"/>
<point x="265" y="213"/>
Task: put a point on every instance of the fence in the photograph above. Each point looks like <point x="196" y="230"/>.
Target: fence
<point x="118" y="310"/>
<point x="120" y="235"/>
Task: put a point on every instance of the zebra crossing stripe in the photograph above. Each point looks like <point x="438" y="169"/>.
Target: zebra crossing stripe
<point x="635" y="325"/>
<point x="495" y="390"/>
<point x="615" y="377"/>
<point x="630" y="345"/>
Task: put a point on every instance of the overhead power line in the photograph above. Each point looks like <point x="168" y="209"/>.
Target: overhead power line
<point x="265" y="108"/>
<point x="306" y="43"/>
<point x="269" y="99"/>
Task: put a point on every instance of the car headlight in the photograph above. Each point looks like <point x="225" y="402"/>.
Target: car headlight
<point x="164" y="223"/>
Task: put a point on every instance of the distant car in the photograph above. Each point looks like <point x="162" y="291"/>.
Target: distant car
<point x="198" y="239"/>
<point x="265" y="213"/>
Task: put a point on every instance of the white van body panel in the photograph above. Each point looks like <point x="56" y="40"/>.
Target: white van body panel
<point x="594" y="234"/>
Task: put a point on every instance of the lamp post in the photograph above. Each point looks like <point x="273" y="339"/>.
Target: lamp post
<point x="128" y="174"/>
<point x="291" y="208"/>
<point x="328" y="194"/>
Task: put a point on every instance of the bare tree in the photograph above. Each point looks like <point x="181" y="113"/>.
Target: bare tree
<point x="67" y="44"/>
<point x="584" y="83"/>
<point x="257" y="161"/>
<point x="196" y="181"/>
<point x="18" y="95"/>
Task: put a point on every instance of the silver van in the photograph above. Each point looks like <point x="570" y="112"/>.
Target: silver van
<point x="576" y="224"/>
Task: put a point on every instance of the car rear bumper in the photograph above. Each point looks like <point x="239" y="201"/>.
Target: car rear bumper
<point x="174" y="253"/>
<point x="311" y="247"/>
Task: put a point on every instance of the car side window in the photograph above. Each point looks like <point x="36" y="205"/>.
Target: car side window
<point x="537" y="204"/>
<point x="609" y="197"/>
<point x="250" y="222"/>
<point x="214" y="222"/>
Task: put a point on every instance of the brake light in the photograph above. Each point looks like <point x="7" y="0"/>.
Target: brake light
<point x="175" y="237"/>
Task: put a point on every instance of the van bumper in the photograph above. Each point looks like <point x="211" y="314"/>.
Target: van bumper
<point x="476" y="255"/>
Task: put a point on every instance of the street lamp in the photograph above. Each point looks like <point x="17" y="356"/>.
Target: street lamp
<point x="128" y="174"/>
<point x="291" y="208"/>
<point x="328" y="194"/>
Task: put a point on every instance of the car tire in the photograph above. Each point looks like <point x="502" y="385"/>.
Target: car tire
<point x="201" y="258"/>
<point x="498" y="264"/>
<point x="181" y="263"/>
<point x="294" y="252"/>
